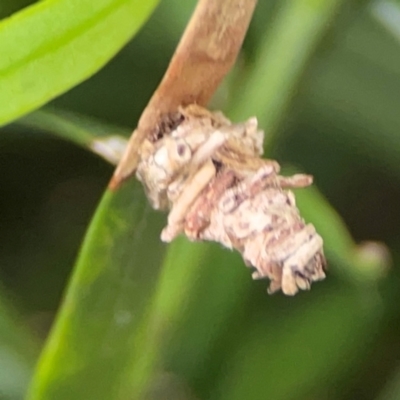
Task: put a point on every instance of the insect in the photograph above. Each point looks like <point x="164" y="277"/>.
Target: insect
<point x="210" y="175"/>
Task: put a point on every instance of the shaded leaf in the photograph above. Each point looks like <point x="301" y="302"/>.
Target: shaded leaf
<point x="285" y="50"/>
<point x="392" y="389"/>
<point x="351" y="95"/>
<point x="298" y="343"/>
<point x="92" y="340"/>
<point x="18" y="351"/>
<point x="340" y="247"/>
<point x="196" y="293"/>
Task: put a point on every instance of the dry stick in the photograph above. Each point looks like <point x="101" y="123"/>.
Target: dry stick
<point x="205" y="54"/>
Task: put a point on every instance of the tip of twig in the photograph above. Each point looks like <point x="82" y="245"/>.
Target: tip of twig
<point x="114" y="183"/>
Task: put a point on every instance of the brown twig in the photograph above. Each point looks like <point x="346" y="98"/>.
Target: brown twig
<point x="205" y="54"/>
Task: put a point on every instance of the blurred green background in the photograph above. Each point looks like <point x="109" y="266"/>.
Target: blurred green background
<point x="323" y="77"/>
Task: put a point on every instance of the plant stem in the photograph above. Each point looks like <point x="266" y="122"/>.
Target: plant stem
<point x="205" y="54"/>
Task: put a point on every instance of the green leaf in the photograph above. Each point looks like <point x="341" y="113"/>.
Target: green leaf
<point x="18" y="351"/>
<point x="107" y="141"/>
<point x="53" y="45"/>
<point x="391" y="391"/>
<point x="196" y="293"/>
<point x="89" y="348"/>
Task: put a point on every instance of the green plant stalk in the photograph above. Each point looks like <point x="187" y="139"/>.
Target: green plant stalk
<point x="104" y="140"/>
<point x="285" y="51"/>
<point x="79" y="130"/>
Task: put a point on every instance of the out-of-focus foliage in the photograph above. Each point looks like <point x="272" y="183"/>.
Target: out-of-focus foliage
<point x="138" y="320"/>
